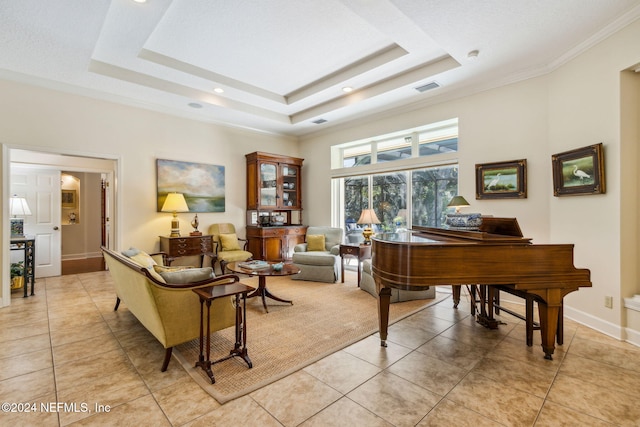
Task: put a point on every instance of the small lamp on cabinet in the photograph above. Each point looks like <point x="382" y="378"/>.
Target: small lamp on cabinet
<point x="368" y="217"/>
<point x="175" y="203"/>
<point x="18" y="207"/>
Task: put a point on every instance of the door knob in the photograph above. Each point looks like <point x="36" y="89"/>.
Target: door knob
<point x="56" y="228"/>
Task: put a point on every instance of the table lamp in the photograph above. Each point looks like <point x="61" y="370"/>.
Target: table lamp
<point x="458" y="202"/>
<point x="368" y="217"/>
<point x="18" y="206"/>
<point x="175" y="203"/>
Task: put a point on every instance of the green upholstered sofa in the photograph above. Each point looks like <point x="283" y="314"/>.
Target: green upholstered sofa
<point x="170" y="311"/>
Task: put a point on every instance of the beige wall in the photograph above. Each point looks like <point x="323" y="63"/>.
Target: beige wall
<point x="576" y="105"/>
<point x="40" y="119"/>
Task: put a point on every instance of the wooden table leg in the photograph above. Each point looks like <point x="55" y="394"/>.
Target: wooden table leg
<point x="263" y="292"/>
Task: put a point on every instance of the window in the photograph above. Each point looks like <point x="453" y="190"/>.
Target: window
<point x="433" y="139"/>
<point x="409" y="195"/>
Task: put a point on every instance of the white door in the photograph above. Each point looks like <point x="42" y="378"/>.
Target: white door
<point x="41" y="187"/>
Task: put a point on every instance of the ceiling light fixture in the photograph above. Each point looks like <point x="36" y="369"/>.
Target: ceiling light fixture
<point x="473" y="55"/>
<point x="195" y="105"/>
<point x="347" y="89"/>
<point x="218" y="90"/>
<point x="140" y="1"/>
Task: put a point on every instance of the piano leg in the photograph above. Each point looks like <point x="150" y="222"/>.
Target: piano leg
<point x="384" y="300"/>
<point x="456" y="295"/>
<point x="548" y="327"/>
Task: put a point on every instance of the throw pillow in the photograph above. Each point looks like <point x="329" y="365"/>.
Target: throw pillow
<point x="229" y="242"/>
<point x="188" y="275"/>
<point x="315" y="242"/>
<point x="141" y="258"/>
<point x="164" y="268"/>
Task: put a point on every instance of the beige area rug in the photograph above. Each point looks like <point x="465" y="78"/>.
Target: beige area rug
<point x="323" y="319"/>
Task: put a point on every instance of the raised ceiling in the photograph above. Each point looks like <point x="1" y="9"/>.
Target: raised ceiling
<point x="283" y="64"/>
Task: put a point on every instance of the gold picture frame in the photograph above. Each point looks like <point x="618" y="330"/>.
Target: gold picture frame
<point x="69" y="199"/>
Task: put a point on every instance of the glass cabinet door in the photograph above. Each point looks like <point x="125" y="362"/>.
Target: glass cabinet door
<point x="268" y="181"/>
<point x="290" y="188"/>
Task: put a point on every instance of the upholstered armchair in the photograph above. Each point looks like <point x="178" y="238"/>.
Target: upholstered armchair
<point x="319" y="257"/>
<point x="229" y="248"/>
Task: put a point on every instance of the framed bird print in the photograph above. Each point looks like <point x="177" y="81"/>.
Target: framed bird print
<point x="502" y="180"/>
<point x="579" y="172"/>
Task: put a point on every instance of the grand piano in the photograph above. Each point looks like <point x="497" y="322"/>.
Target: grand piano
<point x="496" y="255"/>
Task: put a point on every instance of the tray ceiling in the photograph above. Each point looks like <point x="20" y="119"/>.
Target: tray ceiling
<point x="282" y="65"/>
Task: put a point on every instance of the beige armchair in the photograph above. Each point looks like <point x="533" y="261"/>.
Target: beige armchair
<point x="319" y="257"/>
<point x="229" y="248"/>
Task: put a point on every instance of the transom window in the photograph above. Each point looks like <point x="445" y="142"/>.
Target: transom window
<point x="401" y="197"/>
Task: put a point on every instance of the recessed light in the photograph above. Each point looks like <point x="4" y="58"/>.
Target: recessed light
<point x="195" y="105"/>
<point x="473" y="55"/>
<point x="347" y="89"/>
<point x="218" y="90"/>
<point x="140" y="1"/>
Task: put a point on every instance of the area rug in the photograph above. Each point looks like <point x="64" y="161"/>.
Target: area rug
<point x="324" y="318"/>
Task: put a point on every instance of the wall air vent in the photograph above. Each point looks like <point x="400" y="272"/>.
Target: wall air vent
<point x="427" y="87"/>
<point x="319" y="121"/>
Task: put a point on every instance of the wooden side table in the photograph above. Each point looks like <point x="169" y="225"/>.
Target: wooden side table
<point x="361" y="252"/>
<point x="176" y="247"/>
<point x="28" y="245"/>
<point x="207" y="295"/>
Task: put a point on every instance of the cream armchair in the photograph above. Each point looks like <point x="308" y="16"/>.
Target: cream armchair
<point x="319" y="257"/>
<point x="229" y="248"/>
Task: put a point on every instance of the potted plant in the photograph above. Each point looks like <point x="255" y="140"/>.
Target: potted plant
<point x="17" y="275"/>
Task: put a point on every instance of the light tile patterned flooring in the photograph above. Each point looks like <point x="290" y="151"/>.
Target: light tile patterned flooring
<point x="67" y="345"/>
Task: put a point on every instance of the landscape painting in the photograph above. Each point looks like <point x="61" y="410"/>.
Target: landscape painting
<point x="201" y="184"/>
<point x="579" y="172"/>
<point x="501" y="180"/>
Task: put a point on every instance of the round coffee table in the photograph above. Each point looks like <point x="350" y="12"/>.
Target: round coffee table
<point x="263" y="273"/>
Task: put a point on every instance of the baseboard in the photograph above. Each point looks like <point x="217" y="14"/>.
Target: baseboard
<point x="633" y="336"/>
<point x="73" y="257"/>
<point x="607" y="328"/>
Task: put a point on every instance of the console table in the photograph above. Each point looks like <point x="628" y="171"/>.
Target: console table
<point x="28" y="245"/>
<point x="361" y="252"/>
<point x="176" y="247"/>
<point x="207" y="295"/>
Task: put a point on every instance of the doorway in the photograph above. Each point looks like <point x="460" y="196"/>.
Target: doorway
<point x="79" y="222"/>
<point x="83" y="221"/>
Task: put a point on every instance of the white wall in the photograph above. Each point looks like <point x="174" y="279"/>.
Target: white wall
<point x="584" y="109"/>
<point x="574" y="106"/>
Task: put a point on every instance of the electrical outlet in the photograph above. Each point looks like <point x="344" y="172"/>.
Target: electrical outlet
<point x="608" y="302"/>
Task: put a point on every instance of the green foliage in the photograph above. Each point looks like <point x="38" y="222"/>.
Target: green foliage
<point x="17" y="269"/>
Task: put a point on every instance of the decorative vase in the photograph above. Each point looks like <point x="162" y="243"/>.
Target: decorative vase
<point x="17" y="282"/>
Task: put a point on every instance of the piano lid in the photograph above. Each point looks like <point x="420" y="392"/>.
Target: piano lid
<point x="492" y="230"/>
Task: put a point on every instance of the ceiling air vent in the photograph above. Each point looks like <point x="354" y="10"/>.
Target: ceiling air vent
<point x="427" y="87"/>
<point x="319" y="121"/>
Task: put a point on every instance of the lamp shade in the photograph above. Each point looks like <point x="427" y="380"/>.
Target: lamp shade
<point x="457" y="201"/>
<point x="368" y="216"/>
<point x="175" y="202"/>
<point x="19" y="206"/>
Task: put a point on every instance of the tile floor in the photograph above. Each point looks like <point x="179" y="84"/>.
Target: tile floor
<point x="68" y="349"/>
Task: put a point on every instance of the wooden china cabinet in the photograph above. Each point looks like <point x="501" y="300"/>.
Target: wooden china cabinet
<point x="274" y="205"/>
